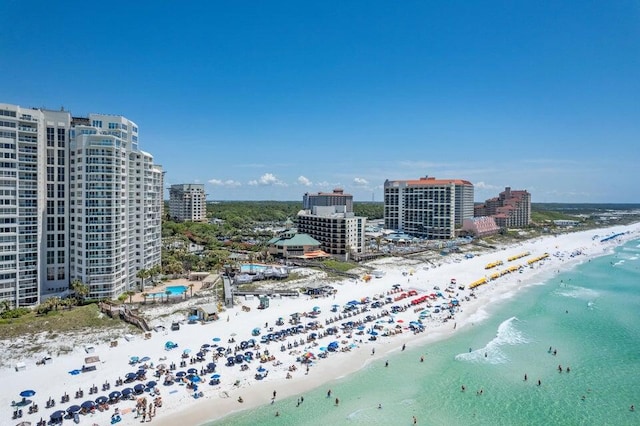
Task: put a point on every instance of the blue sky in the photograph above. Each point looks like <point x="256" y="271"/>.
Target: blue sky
<point x="267" y="100"/>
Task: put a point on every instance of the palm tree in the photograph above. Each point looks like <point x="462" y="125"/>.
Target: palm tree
<point x="145" y="295"/>
<point x="81" y="290"/>
<point x="54" y="301"/>
<point x="168" y="293"/>
<point x="191" y="289"/>
<point x="5" y="305"/>
<point x="378" y="241"/>
<point x="142" y="274"/>
<point x="130" y="293"/>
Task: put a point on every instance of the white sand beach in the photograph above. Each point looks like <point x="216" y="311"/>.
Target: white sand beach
<point x="354" y="347"/>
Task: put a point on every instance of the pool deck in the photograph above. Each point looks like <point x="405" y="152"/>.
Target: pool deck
<point x="161" y="288"/>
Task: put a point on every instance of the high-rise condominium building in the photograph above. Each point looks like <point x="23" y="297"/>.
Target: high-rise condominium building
<point x="427" y="207"/>
<point x="510" y="209"/>
<point x="335" y="198"/>
<point x="187" y="203"/>
<point x="80" y="202"/>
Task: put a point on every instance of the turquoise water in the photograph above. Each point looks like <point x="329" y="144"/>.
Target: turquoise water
<point x="174" y="289"/>
<point x="589" y="315"/>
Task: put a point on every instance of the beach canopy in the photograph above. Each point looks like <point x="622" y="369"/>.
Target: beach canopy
<point x="58" y="414"/>
<point x="194" y="378"/>
<point x="186" y="351"/>
<point x="145" y="359"/>
<point x="151" y="384"/>
<point x="73" y="409"/>
<point x="101" y="399"/>
<point x="115" y="394"/>
<point x="181" y="374"/>
<point x="88" y="405"/>
<point x="192" y="371"/>
<point x="139" y="388"/>
<point x="215" y="376"/>
<point x="127" y="391"/>
<point x="130" y="376"/>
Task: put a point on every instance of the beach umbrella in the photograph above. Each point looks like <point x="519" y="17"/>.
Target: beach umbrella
<point x="58" y="415"/>
<point x="141" y="372"/>
<point x="134" y="359"/>
<point x="373" y="333"/>
<point x="261" y="369"/>
<point x="192" y="371"/>
<point x="161" y="366"/>
<point x="211" y="365"/>
<point x="127" y="391"/>
<point x="194" y="378"/>
<point x="323" y="349"/>
<point x="27" y="393"/>
<point x="215" y="376"/>
<point x="193" y="318"/>
<point x="74" y="372"/>
<point x="233" y="334"/>
<point x="145" y="359"/>
<point x="206" y="345"/>
<point x="130" y="376"/>
<point x="221" y="349"/>
<point x="216" y="339"/>
<point x="101" y="399"/>
<point x="139" y="388"/>
<point x="73" y="409"/>
<point x="186" y="351"/>
<point x="200" y="354"/>
<point x="181" y="374"/>
<point x="151" y="384"/>
<point x="115" y="395"/>
<point x="88" y="405"/>
<point x="316" y="308"/>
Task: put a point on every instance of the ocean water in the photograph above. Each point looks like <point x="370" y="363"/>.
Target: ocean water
<point x="589" y="315"/>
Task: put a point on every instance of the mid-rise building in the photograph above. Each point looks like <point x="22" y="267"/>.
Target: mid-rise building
<point x="510" y="209"/>
<point x="325" y="199"/>
<point x="80" y="202"/>
<point x="339" y="232"/>
<point x="427" y="207"/>
<point x="187" y="203"/>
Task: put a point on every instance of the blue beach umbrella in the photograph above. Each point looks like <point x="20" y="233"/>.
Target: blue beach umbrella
<point x="127" y="391"/>
<point x="192" y="371"/>
<point x="88" y="405"/>
<point x="139" y="388"/>
<point x="216" y="339"/>
<point x="73" y="409"/>
<point x="101" y="399"/>
<point x="194" y="378"/>
<point x="181" y="374"/>
<point x="58" y="415"/>
<point x="115" y="395"/>
<point x="145" y="359"/>
<point x="186" y="351"/>
<point x="151" y="384"/>
<point x="27" y="393"/>
<point x="215" y="376"/>
<point x="130" y="376"/>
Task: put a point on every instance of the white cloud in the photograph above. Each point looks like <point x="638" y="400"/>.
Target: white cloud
<point x="360" y="181"/>
<point x="228" y="182"/>
<point x="304" y="181"/>
<point x="267" y="179"/>
<point x="484" y="185"/>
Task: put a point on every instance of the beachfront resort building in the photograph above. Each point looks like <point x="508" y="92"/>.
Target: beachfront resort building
<point x="80" y="201"/>
<point x="427" y="207"/>
<point x="187" y="203"/>
<point x="335" y="198"/>
<point x="510" y="209"/>
<point x="292" y="244"/>
<point x="340" y="232"/>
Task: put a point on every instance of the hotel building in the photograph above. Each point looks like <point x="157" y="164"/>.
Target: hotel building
<point x="427" y="207"/>
<point x="335" y="198"/>
<point x="339" y="232"/>
<point x="80" y="202"/>
<point x="510" y="209"/>
<point x="187" y="203"/>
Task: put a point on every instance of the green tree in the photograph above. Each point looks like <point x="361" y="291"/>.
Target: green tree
<point x="80" y="289"/>
<point x="167" y="293"/>
<point x="142" y="274"/>
<point x="130" y="294"/>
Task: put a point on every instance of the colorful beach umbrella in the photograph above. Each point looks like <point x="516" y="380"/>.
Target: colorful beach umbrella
<point x="27" y="393"/>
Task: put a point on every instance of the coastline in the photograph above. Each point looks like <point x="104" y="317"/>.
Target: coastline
<point x="221" y="401"/>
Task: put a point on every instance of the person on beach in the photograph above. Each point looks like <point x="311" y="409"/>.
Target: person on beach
<point x="386" y="363"/>
<point x="277" y="413"/>
<point x="373" y="351"/>
<point x="568" y="369"/>
<point x="559" y="368"/>
<point x="632" y="408"/>
<point x="525" y="377"/>
<point x="404" y="346"/>
<point x="539" y="382"/>
<point x="422" y="359"/>
<point x="329" y="393"/>
<point x="463" y="388"/>
<point x="274" y="394"/>
<point x="415" y="421"/>
<point x="337" y="402"/>
<point x="380" y="406"/>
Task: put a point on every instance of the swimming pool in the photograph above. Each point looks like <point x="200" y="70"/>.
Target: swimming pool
<point x="174" y="290"/>
<point x="252" y="268"/>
